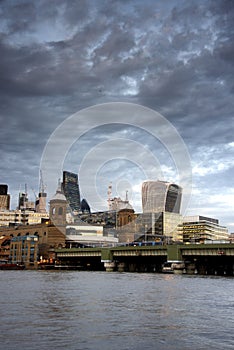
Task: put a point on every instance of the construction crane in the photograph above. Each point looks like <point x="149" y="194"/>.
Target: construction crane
<point x="42" y="187"/>
<point x="109" y="193"/>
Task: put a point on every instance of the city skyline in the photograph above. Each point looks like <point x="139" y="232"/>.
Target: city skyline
<point x="175" y="58"/>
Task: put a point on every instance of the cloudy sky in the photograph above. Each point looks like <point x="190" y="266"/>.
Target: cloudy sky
<point x="173" y="57"/>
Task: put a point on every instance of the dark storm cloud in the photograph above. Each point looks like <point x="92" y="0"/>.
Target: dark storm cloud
<point x="58" y="57"/>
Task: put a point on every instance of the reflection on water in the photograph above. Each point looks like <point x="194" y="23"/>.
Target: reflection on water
<point x="99" y="310"/>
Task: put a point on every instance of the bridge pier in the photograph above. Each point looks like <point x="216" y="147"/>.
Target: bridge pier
<point x="178" y="267"/>
<point x="121" y="267"/>
<point x="191" y="269"/>
<point x="109" y="266"/>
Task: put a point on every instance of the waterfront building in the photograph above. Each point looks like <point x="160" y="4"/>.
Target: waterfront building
<point x="51" y="232"/>
<point x="70" y="187"/>
<point x="159" y="196"/>
<point x="5" y="242"/>
<point x="24" y="250"/>
<point x="49" y="236"/>
<point x="231" y="237"/>
<point x="201" y="229"/>
<point x="4" y="198"/>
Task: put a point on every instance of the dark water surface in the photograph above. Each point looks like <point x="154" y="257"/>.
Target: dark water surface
<point x="99" y="310"/>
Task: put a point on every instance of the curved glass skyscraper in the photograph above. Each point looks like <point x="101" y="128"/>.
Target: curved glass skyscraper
<point x="161" y="196"/>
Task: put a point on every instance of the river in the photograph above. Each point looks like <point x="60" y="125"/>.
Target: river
<point x="75" y="310"/>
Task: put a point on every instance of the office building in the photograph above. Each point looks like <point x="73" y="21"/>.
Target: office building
<point x="19" y="217"/>
<point x="4" y="198"/>
<point x="160" y="196"/>
<point x="201" y="229"/>
<point x="155" y="227"/>
<point x="83" y="234"/>
<point x="71" y="190"/>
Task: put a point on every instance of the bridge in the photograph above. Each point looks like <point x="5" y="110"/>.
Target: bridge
<point x="197" y="258"/>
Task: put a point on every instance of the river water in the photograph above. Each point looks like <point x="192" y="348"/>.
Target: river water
<point x="75" y="310"/>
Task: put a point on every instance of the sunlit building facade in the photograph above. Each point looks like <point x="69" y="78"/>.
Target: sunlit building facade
<point x="18" y="217"/>
<point x="4" y="198"/>
<point x="201" y="229"/>
<point x="159" y="196"/>
<point x="24" y="250"/>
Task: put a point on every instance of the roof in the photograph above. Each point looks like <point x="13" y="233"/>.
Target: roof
<point x="59" y="194"/>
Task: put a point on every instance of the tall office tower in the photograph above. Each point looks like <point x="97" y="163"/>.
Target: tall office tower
<point x="4" y="198"/>
<point x="161" y="196"/>
<point x="71" y="190"/>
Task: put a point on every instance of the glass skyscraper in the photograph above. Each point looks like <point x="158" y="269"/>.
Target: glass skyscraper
<point x="161" y="196"/>
<point x="71" y="190"/>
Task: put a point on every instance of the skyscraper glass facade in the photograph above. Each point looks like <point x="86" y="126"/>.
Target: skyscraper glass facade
<point x="71" y="190"/>
<point x="160" y="196"/>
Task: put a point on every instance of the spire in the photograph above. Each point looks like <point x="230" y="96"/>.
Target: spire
<point x="59" y="193"/>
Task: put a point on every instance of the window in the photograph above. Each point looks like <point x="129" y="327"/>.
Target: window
<point x="60" y="211"/>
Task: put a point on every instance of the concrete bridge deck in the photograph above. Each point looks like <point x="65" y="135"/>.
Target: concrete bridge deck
<point x="204" y="257"/>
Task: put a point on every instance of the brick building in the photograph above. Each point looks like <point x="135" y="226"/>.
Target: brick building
<point x="50" y="233"/>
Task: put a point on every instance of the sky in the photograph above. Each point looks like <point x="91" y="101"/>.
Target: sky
<point x="119" y="92"/>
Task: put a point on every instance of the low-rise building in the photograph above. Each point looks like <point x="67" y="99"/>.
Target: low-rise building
<point x="83" y="234"/>
<point x="5" y="242"/>
<point x="49" y="236"/>
<point x="201" y="229"/>
<point x="16" y="217"/>
<point x="24" y="250"/>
